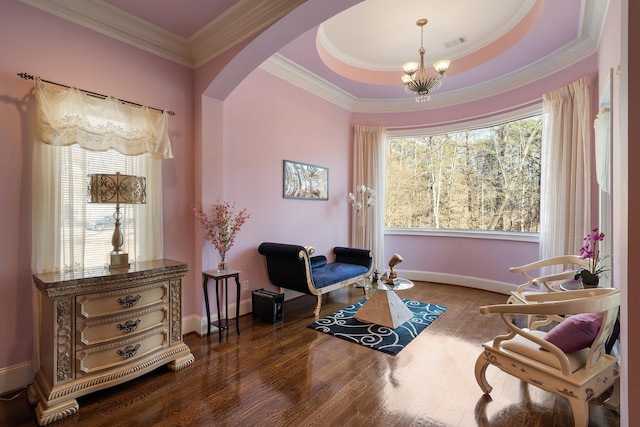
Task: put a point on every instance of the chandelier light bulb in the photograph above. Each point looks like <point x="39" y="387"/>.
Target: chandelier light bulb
<point x="410" y="67"/>
<point x="442" y="66"/>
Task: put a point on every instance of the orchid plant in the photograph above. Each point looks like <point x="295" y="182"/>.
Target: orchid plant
<point x="222" y="226"/>
<point x="590" y="251"/>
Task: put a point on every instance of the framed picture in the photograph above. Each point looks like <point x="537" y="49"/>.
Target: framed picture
<point x="305" y="181"/>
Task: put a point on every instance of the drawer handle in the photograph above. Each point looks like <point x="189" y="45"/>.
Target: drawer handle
<point x="129" y="326"/>
<point x="129" y="301"/>
<point x="129" y="351"/>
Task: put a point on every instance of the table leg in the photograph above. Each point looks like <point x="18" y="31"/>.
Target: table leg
<point x="205" y="282"/>
<point x="237" y="304"/>
<point x="218" y="307"/>
<point x="226" y="303"/>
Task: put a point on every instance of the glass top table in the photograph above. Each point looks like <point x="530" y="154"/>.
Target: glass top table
<point x="398" y="284"/>
<point x="385" y="308"/>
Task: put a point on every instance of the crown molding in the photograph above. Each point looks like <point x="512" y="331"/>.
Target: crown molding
<point x="291" y="72"/>
<point x="592" y="18"/>
<point x="240" y="22"/>
<point x="113" y="22"/>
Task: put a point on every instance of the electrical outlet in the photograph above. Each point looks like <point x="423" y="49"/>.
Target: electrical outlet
<point x="245" y="285"/>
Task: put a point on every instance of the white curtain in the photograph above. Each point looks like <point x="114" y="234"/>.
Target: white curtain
<point x="369" y="170"/>
<point x="602" y="126"/>
<point x="67" y="119"/>
<point x="565" y="200"/>
<point x="69" y="116"/>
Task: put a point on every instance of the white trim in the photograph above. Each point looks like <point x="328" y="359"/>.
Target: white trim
<point x="453" y="54"/>
<point x="198" y="324"/>
<point x="459" y="280"/>
<point x="289" y="71"/>
<point x="512" y="236"/>
<point x="241" y="21"/>
<point x="15" y="377"/>
<point x="106" y="19"/>
<point x="470" y="123"/>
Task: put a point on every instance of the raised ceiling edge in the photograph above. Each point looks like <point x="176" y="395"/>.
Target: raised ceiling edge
<point x="301" y="77"/>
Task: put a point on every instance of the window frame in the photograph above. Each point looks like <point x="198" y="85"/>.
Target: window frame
<point x="462" y="126"/>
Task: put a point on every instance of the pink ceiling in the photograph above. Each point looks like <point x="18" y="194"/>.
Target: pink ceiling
<point x="555" y="24"/>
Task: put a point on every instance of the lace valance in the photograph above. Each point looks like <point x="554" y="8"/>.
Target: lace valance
<point x="69" y="116"/>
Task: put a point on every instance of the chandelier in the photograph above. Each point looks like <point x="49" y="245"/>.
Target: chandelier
<point x="415" y="77"/>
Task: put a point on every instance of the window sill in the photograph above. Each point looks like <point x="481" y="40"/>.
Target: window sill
<point x="466" y="234"/>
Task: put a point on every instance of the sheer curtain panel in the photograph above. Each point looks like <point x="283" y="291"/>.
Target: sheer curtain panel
<point x="565" y="200"/>
<point x="77" y="134"/>
<point x="368" y="170"/>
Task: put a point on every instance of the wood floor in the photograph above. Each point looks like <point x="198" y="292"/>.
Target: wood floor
<point x="290" y="375"/>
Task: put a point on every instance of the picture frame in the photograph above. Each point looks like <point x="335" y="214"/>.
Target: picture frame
<point x="304" y="181"/>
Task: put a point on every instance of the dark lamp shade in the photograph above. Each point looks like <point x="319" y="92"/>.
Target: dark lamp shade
<point x="116" y="188"/>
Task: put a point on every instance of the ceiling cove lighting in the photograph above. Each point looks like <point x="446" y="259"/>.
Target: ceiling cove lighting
<point x="415" y="77"/>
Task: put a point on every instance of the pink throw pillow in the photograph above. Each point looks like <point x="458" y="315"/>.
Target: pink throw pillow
<point x="576" y="332"/>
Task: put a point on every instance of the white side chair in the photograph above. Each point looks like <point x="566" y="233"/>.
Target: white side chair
<point x="558" y="365"/>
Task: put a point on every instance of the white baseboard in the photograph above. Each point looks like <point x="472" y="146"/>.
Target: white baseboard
<point x="198" y="324"/>
<point x="15" y="377"/>
<point x="456" y="279"/>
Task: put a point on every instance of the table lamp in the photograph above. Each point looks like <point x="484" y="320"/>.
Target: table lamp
<point x="117" y="188"/>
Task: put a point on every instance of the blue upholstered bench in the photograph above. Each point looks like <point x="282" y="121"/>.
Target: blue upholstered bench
<point x="292" y="267"/>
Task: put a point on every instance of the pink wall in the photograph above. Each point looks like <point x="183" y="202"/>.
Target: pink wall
<point x="473" y="257"/>
<point x="267" y="120"/>
<point x="42" y="44"/>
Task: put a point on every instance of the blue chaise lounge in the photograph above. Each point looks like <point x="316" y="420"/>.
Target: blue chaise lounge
<point x="292" y="267"/>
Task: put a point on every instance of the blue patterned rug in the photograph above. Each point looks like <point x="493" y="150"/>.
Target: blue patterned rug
<point x="343" y="325"/>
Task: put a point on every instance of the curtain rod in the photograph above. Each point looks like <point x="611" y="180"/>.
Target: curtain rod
<point x="97" y="95"/>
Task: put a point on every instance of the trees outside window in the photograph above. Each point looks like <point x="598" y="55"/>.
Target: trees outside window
<point x="481" y="179"/>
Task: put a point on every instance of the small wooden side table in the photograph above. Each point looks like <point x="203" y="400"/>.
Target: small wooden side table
<point x="221" y="277"/>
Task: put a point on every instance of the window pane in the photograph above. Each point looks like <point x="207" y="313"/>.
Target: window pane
<point x="481" y="179"/>
<point x="87" y="228"/>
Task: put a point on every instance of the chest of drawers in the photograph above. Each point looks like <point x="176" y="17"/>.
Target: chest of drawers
<point x="98" y="328"/>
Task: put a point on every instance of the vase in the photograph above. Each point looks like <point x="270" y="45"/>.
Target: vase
<point x="223" y="265"/>
<point x="589" y="280"/>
